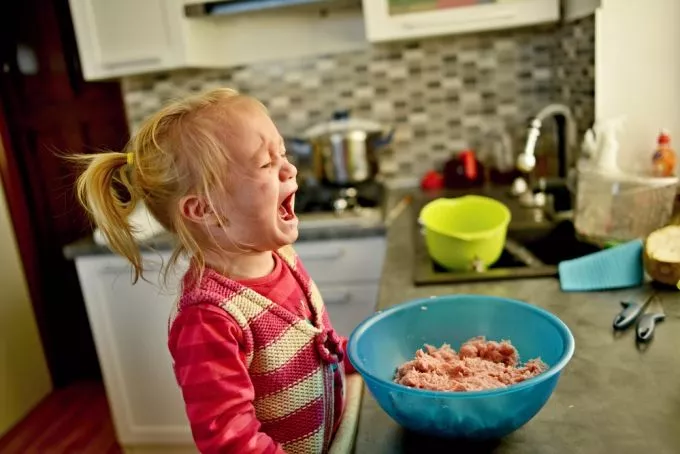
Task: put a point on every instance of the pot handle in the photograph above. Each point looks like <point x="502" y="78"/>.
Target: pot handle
<point x="342" y="114"/>
<point x="297" y="146"/>
<point x="385" y="140"/>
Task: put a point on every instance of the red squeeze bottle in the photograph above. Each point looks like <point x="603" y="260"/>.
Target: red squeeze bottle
<point x="469" y="164"/>
<point x="462" y="171"/>
<point x="432" y="181"/>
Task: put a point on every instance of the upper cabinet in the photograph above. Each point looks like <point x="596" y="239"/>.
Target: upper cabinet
<point x="122" y="37"/>
<point x="576" y="9"/>
<point x="407" y="19"/>
<point x="125" y="37"/>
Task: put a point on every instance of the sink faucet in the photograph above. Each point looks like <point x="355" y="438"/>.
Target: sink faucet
<point x="566" y="138"/>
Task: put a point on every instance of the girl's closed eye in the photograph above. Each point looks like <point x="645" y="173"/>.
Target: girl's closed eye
<point x="282" y="154"/>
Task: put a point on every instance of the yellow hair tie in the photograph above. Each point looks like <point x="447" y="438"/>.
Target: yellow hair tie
<point x="130" y="158"/>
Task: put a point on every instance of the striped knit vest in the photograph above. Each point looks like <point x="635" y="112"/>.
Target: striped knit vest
<point x="291" y="361"/>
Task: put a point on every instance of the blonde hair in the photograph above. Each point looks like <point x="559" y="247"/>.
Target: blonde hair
<point x="179" y="150"/>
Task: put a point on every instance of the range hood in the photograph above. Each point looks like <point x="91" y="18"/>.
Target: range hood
<point x="229" y="7"/>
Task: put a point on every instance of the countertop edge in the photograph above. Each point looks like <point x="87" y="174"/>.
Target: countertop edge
<point x="165" y="242"/>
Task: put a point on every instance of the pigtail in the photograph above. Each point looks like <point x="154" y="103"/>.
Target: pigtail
<point x="180" y="150"/>
<point x="106" y="191"/>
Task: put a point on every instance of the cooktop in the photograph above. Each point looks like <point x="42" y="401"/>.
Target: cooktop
<point x="325" y="206"/>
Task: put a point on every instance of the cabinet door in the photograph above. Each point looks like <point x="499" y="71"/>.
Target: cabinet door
<point x="343" y="260"/>
<point x="347" y="272"/>
<point x="576" y="9"/>
<point x="129" y="325"/>
<point x="407" y="19"/>
<point x="124" y="37"/>
<point x="349" y="305"/>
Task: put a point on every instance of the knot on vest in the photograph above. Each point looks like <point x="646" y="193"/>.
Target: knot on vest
<point x="329" y="346"/>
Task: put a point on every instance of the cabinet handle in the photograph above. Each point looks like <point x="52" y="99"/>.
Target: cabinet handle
<point x="144" y="61"/>
<point x="431" y="24"/>
<point x="148" y="268"/>
<point x="331" y="254"/>
<point x="338" y="298"/>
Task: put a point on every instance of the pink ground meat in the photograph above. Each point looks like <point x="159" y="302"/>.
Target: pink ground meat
<point x="479" y="365"/>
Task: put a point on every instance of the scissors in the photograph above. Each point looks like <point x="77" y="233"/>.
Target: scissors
<point x="645" y="316"/>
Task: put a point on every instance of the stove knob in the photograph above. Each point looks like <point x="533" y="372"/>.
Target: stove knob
<point x="340" y="205"/>
<point x="350" y="193"/>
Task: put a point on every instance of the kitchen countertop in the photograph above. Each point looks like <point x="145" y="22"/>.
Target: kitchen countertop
<point x="165" y="241"/>
<point x="612" y="396"/>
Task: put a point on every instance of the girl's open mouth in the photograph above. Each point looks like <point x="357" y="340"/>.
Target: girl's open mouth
<point x="287" y="208"/>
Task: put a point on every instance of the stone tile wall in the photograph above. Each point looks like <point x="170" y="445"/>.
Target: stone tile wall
<point x="441" y="94"/>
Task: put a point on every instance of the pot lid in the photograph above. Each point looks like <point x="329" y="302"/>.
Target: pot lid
<point x="343" y="123"/>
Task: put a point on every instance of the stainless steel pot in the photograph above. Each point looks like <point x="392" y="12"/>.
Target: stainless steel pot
<point x="343" y="151"/>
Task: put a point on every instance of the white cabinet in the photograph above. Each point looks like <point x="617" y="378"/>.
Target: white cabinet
<point x="343" y="261"/>
<point x="407" y="19"/>
<point x="127" y="36"/>
<point x="347" y="273"/>
<point x="576" y="9"/>
<point x="130" y="322"/>
<point x="349" y="304"/>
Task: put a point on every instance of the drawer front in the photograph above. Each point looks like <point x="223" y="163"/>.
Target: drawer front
<point x="350" y="260"/>
<point x="349" y="305"/>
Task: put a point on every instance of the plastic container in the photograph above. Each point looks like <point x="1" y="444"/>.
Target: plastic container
<point x="465" y="232"/>
<point x="389" y="338"/>
<point x="621" y="207"/>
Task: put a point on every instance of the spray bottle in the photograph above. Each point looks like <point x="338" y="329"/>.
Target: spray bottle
<point x="601" y="146"/>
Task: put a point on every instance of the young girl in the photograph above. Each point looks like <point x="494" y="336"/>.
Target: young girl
<point x="260" y="367"/>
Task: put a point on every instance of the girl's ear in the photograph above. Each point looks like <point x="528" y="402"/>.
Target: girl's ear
<point x="196" y="209"/>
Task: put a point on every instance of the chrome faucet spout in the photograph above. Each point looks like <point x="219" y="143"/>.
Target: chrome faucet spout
<point x="526" y="161"/>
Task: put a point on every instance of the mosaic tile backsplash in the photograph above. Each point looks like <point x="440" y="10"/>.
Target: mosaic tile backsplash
<point x="441" y="94"/>
<point x="575" y="70"/>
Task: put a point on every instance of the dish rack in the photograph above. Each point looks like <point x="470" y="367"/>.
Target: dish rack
<point x="621" y="207"/>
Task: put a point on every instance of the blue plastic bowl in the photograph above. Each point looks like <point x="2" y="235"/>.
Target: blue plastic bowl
<point x="389" y="338"/>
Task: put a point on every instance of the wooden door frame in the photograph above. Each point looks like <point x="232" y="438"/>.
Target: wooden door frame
<point x="24" y="232"/>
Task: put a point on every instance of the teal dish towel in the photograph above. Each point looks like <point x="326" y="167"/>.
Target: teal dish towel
<point x="614" y="268"/>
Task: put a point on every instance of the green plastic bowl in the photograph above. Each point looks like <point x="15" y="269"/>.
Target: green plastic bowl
<point x="463" y="232"/>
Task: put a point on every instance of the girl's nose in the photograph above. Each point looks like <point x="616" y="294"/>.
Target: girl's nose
<point x="288" y="171"/>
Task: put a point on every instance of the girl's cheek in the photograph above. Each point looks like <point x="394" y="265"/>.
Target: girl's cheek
<point x="265" y="187"/>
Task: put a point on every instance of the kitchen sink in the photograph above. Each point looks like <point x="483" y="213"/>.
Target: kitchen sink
<point x="536" y="243"/>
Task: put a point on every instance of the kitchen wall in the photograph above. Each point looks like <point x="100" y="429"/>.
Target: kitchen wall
<point x="440" y="93"/>
<point x="24" y="377"/>
<point x="638" y="65"/>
